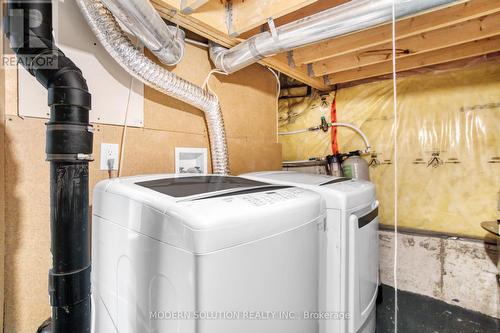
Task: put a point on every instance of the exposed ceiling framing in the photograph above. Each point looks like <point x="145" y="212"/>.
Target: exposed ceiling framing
<point x="466" y="29"/>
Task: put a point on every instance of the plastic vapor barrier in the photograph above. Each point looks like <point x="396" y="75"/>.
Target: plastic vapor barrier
<point x="448" y="145"/>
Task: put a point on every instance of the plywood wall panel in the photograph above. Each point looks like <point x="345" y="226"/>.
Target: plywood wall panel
<point x="248" y="101"/>
<point x="167" y="113"/>
<point x="161" y="145"/>
<point x="10" y="80"/>
<point x="27" y="239"/>
<point x="249" y="109"/>
<point x="251" y="155"/>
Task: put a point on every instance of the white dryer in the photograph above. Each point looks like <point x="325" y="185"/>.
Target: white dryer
<point x="204" y="254"/>
<point x="349" y="275"/>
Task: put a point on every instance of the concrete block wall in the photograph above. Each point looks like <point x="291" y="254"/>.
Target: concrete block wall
<point x="458" y="271"/>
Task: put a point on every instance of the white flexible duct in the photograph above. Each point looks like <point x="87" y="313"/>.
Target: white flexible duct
<point x="133" y="60"/>
<point x="352" y="16"/>
<point x="166" y="42"/>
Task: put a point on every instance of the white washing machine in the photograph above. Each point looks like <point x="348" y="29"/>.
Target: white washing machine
<point x="204" y="254"/>
<point x="349" y="275"/>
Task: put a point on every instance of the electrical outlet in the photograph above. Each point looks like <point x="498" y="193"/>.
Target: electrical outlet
<point x="109" y="151"/>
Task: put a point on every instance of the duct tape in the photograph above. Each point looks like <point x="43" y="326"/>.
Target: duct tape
<point x="66" y="289"/>
<point x="253" y="50"/>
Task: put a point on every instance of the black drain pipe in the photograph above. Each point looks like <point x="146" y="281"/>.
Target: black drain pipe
<point x="69" y="148"/>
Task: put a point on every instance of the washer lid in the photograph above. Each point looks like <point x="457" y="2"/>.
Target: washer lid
<point x="232" y="214"/>
<point x="194" y="185"/>
<point x="291" y="177"/>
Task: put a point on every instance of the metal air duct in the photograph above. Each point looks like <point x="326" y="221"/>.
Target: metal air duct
<point x="352" y="16"/>
<point x="166" y="42"/>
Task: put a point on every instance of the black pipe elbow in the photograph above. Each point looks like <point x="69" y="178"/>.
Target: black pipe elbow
<point x="29" y="28"/>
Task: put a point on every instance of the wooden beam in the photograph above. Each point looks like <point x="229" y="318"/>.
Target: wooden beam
<point x="189" y="6"/>
<point x="316" y="7"/>
<point x="235" y="17"/>
<point x="468" y="31"/>
<point x="248" y="14"/>
<point x="406" y="27"/>
<point x="211" y="16"/>
<point x="462" y="51"/>
<point x="278" y="62"/>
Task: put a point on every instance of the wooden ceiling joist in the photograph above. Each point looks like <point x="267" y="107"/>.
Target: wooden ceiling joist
<point x="468" y="31"/>
<point x="448" y="54"/>
<point x="461" y="30"/>
<point x="315" y="7"/>
<point x="250" y="14"/>
<point x="232" y="17"/>
<point x="375" y="37"/>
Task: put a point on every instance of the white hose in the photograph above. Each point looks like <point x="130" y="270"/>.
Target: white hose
<point x="348" y="125"/>
<point x="357" y="130"/>
<point x="294" y="132"/>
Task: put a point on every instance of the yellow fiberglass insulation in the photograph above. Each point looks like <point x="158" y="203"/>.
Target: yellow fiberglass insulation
<point x="448" y="145"/>
<point x="303" y="112"/>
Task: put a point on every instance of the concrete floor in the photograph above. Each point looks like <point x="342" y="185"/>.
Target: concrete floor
<point x="422" y="314"/>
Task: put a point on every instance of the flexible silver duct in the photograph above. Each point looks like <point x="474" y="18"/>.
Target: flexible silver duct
<point x="166" y="42"/>
<point x="352" y="16"/>
<point x="114" y="40"/>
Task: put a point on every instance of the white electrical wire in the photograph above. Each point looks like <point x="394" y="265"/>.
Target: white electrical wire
<point x="125" y="127"/>
<point x="125" y="122"/>
<point x="278" y="91"/>
<point x="205" y="84"/>
<point x="395" y="110"/>
<point x="195" y="42"/>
